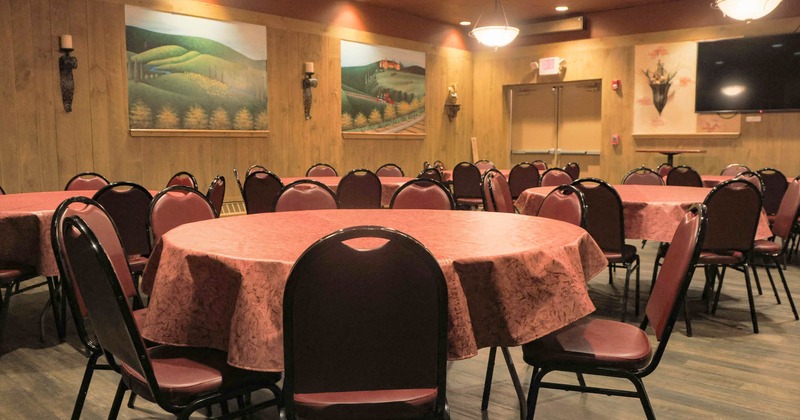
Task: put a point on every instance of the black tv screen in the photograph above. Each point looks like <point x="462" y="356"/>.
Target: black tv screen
<point x="749" y="74"/>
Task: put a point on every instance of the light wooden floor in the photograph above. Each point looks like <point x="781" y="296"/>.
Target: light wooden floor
<point x="724" y="371"/>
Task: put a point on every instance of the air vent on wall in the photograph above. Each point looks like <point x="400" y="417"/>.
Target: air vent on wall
<point x="577" y="23"/>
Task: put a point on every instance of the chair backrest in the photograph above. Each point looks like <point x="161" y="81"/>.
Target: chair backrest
<point x="574" y="170"/>
<point x="555" y="176"/>
<point x="753" y="178"/>
<point x="359" y="189"/>
<point x="321" y="169"/>
<point x="684" y="176"/>
<point x="734" y="207"/>
<point x="775" y="184"/>
<point x="306" y="194"/>
<point x="96" y="277"/>
<point x="175" y="206"/>
<point x="663" y="169"/>
<point x="2" y="191"/>
<point x="216" y="193"/>
<point x="365" y="319"/>
<point x="255" y="168"/>
<point x="127" y="204"/>
<point x="522" y="176"/>
<point x="642" y="176"/>
<point x="390" y="169"/>
<point x="734" y="169"/>
<point x="95" y="216"/>
<point x="260" y="191"/>
<point x="86" y="181"/>
<point x="787" y="214"/>
<point x="423" y="193"/>
<point x="484" y="165"/>
<point x="674" y="277"/>
<point x="496" y="194"/>
<point x="540" y="165"/>
<point x="438" y="164"/>
<point x="604" y="219"/>
<point x="238" y="181"/>
<point x="565" y="203"/>
<point x="431" y="173"/>
<point x="182" y="178"/>
<point x="466" y="181"/>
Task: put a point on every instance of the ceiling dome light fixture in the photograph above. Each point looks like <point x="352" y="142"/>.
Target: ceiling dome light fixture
<point x="746" y="10"/>
<point x="496" y="32"/>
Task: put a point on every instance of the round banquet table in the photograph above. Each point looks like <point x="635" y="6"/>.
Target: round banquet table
<point x="510" y="278"/>
<point x="711" y="181"/>
<point x="25" y="228"/>
<point x="651" y="212"/>
<point x="389" y="184"/>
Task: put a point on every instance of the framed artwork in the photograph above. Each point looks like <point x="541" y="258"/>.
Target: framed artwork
<point x="190" y="73"/>
<point x="664" y="91"/>
<point x="383" y="90"/>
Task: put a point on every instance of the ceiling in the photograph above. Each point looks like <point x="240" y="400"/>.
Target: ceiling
<point x="518" y="11"/>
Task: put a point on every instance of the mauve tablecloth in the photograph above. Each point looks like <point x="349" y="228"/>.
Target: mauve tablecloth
<point x="389" y="184"/>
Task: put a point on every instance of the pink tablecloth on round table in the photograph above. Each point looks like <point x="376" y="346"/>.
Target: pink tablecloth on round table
<point x="651" y="212"/>
<point x="510" y="278"/>
<point x="25" y="228"/>
<point x="389" y="184"/>
<point x="711" y="181"/>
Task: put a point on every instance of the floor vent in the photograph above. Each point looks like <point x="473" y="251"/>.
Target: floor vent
<point x="233" y="208"/>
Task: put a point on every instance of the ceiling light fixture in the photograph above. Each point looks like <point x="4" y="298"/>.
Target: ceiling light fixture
<point x="746" y="10"/>
<point x="495" y="32"/>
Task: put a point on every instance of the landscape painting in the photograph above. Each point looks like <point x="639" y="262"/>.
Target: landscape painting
<point x="189" y="73"/>
<point x="383" y="89"/>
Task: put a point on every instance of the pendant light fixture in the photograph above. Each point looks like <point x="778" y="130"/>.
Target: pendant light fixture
<point x="746" y="10"/>
<point x="495" y="31"/>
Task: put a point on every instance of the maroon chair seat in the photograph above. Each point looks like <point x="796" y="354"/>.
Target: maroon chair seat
<point x="86" y="181"/>
<point x="423" y="193"/>
<point x="306" y="194"/>
<point x="12" y="277"/>
<point x="402" y="403"/>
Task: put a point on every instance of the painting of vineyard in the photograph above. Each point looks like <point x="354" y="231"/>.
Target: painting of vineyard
<point x="383" y="89"/>
<point x="194" y="74"/>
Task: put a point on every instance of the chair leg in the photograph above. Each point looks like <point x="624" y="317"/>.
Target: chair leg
<point x="131" y="400"/>
<point x="610" y="275"/>
<point x="626" y="289"/>
<point x="636" y="298"/>
<point x="769" y="275"/>
<point x="117" y="400"/>
<point x="515" y="380"/>
<point x="84" y="389"/>
<point x="53" y="286"/>
<point x="758" y="285"/>
<point x="487" y="384"/>
<point x="686" y="318"/>
<point x="786" y="288"/>
<point x="4" y="304"/>
<point x="533" y="391"/>
<point x="719" y="291"/>
<point x="750" y="299"/>
<point x="648" y="408"/>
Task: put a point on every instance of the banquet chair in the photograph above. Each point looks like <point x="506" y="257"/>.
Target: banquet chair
<point x="255" y="168"/>
<point x="423" y="193"/>
<point x="306" y="194"/>
<point x="259" y="192"/>
<point x="365" y="329"/>
<point x="101" y="223"/>
<point x="467" y="186"/>
<point x="540" y="165"/>
<point x="86" y="181"/>
<point x="607" y="348"/>
<point x="554" y="177"/>
<point x="782" y="228"/>
<point x="390" y="169"/>
<point x="431" y="173"/>
<point x="359" y="189"/>
<point x="663" y="169"/>
<point x="775" y="185"/>
<point x="438" y="164"/>
<point x="182" y="178"/>
<point x="127" y="204"/>
<point x="574" y="170"/>
<point x="180" y="380"/>
<point x="605" y="223"/>
<point x="496" y="194"/>
<point x="734" y="169"/>
<point x="522" y="176"/>
<point x="484" y="165"/>
<point x="321" y="169"/>
<point x="2" y="191"/>
<point x="565" y="203"/>
<point x="642" y="176"/>
<point x="684" y="176"/>
<point x="753" y="178"/>
<point x="18" y="278"/>
<point x="175" y="206"/>
<point x="238" y="181"/>
<point x="216" y="193"/>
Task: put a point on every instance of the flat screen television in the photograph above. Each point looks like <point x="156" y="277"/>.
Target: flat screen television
<point x="749" y="74"/>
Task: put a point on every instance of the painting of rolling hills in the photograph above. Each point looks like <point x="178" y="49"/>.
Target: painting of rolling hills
<point x="196" y="74"/>
<point x="383" y="89"/>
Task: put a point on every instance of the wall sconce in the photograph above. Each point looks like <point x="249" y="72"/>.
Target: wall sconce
<point x="308" y="83"/>
<point x="451" y="106"/>
<point x="66" y="64"/>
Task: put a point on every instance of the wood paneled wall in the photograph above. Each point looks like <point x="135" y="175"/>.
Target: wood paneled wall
<point x="43" y="146"/>
<point x="773" y="142"/>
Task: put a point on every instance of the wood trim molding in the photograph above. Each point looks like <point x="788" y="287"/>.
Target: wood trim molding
<point x="725" y="135"/>
<point x="138" y="132"/>
<point x="382" y="136"/>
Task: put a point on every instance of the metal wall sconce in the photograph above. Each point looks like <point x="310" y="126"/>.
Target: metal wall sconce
<point x="308" y="83"/>
<point x="66" y="64"/>
<point x="451" y="107"/>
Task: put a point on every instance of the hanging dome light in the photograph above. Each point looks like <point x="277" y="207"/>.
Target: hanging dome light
<point x="746" y="9"/>
<point x="497" y="33"/>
